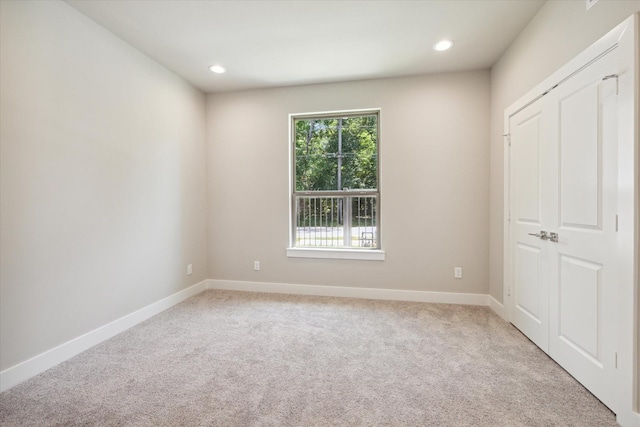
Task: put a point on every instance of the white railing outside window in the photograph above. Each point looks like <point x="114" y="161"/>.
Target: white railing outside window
<point x="336" y="221"/>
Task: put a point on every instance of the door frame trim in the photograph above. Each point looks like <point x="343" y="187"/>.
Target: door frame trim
<point x="623" y="37"/>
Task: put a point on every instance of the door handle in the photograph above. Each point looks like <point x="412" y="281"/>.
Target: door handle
<point x="542" y="235"/>
<point x="552" y="237"/>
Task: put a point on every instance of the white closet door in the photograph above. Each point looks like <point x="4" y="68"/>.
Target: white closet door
<point x="582" y="263"/>
<point x="530" y="268"/>
<point x="564" y="180"/>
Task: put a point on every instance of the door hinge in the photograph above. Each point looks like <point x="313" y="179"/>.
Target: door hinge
<point x="615" y="360"/>
<point x="616" y="222"/>
<point x="508" y="291"/>
<point x="508" y="136"/>
<point x="612" y="76"/>
<point x="509" y="216"/>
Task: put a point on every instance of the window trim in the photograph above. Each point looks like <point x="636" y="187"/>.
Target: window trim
<point x="375" y="253"/>
<point x="330" y="253"/>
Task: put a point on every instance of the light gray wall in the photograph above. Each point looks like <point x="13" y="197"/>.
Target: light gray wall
<point x="559" y="32"/>
<point x="102" y="179"/>
<point x="434" y="182"/>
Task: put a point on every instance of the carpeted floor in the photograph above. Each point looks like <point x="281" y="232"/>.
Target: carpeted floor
<point x="246" y="359"/>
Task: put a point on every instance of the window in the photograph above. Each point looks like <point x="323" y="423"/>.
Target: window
<point x="335" y="197"/>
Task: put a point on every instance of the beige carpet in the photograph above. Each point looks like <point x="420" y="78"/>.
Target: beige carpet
<point x="242" y="359"/>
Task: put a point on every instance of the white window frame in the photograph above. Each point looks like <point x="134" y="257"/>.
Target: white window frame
<point x="351" y="253"/>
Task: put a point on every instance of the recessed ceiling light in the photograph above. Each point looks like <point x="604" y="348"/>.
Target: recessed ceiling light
<point x="218" y="69"/>
<point x="443" y="45"/>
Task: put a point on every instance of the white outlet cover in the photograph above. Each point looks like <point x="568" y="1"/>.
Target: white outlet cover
<point x="190" y="269"/>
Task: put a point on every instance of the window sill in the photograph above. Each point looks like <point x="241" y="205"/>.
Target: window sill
<point x="358" y="254"/>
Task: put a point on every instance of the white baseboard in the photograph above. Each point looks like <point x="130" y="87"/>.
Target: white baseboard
<point x="50" y="358"/>
<point x="351" y="292"/>
<point x="497" y="307"/>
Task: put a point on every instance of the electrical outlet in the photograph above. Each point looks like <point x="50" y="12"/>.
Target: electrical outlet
<point x="189" y="269"/>
<point x="256" y="265"/>
<point x="457" y="272"/>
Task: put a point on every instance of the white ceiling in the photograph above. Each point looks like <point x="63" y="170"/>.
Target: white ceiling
<point x="280" y="43"/>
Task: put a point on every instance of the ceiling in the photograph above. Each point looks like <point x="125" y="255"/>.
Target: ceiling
<point x="265" y="43"/>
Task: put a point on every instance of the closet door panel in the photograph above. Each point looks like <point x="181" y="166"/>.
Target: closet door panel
<point x="580" y="159"/>
<point x="529" y="271"/>
<point x="580" y="307"/>
<point x="582" y="286"/>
